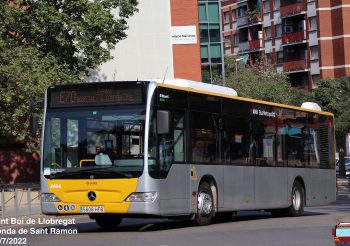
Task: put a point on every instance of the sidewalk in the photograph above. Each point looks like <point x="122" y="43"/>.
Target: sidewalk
<point x="19" y="203"/>
<point x="343" y="189"/>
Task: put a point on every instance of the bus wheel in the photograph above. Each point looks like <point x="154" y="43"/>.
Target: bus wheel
<point x="205" y="205"/>
<point x="107" y="221"/>
<point x="297" y="207"/>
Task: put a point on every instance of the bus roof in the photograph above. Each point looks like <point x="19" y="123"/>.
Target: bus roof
<point x="222" y="91"/>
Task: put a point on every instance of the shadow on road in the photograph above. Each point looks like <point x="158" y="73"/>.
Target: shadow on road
<point x="145" y="225"/>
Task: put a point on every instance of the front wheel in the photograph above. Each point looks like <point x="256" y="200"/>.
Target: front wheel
<point x="107" y="221"/>
<point x="205" y="205"/>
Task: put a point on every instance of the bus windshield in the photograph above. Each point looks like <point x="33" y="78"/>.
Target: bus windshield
<point x="104" y="142"/>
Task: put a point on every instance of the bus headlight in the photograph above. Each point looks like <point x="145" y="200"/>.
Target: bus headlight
<point x="142" y="197"/>
<point x="50" y="197"/>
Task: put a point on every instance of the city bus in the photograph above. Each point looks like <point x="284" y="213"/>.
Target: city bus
<point x="179" y="148"/>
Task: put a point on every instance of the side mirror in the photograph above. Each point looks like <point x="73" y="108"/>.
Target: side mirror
<point x="163" y="122"/>
<point x="34" y="119"/>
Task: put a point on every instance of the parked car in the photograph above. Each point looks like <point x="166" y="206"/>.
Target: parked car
<point x="347" y="167"/>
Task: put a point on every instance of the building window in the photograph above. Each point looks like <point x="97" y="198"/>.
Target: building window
<point x="278" y="30"/>
<point x="204" y="54"/>
<point x="204" y="36"/>
<point x="227" y="41"/>
<point x="202" y="13"/>
<point x="216" y="70"/>
<point x="314" y="52"/>
<point x="206" y="73"/>
<point x="227" y="17"/>
<point x="268" y="32"/>
<point x="242" y="11"/>
<point x="213" y="12"/>
<point x="279" y="57"/>
<point x="313" y="23"/>
<point x="236" y="40"/>
<point x="215" y="53"/>
<point x="269" y="58"/>
<point x="214" y="32"/>
<point x="267" y="7"/>
<point x="277" y="4"/>
<point x="211" y="37"/>
<point x="234" y="12"/>
<point x="315" y="79"/>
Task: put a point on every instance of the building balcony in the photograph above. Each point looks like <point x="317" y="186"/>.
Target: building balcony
<point x="296" y="65"/>
<point x="293" y="37"/>
<point x="255" y="44"/>
<point x="243" y="46"/>
<point x="242" y="21"/>
<point x="292" y="9"/>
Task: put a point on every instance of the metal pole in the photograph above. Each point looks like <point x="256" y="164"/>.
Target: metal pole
<point x="29" y="201"/>
<point x="15" y="201"/>
<point x="3" y="203"/>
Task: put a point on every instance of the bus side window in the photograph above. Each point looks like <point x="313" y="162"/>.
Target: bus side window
<point x="235" y="140"/>
<point x="205" y="138"/>
<point x="171" y="146"/>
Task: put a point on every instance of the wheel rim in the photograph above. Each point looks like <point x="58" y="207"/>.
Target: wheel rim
<point x="296" y="199"/>
<point x="205" y="204"/>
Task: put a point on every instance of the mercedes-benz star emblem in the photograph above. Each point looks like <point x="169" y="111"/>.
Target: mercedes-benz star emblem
<point x="91" y="195"/>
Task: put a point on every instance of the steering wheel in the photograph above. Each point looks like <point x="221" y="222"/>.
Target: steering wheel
<point x="55" y="164"/>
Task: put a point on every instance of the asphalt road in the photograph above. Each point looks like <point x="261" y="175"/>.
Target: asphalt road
<point x="245" y="228"/>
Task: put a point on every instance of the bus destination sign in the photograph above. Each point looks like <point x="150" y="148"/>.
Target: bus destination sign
<point x="77" y="97"/>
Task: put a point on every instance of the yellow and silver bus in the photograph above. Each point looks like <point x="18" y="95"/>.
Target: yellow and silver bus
<point x="172" y="148"/>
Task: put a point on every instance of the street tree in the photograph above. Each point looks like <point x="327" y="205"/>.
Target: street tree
<point x="333" y="95"/>
<point x="261" y="81"/>
<point x="49" y="42"/>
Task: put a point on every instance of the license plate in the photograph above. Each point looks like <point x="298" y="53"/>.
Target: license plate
<point x="92" y="209"/>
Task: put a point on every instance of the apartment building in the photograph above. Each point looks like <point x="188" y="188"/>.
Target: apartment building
<point x="307" y="39"/>
<point x="168" y="39"/>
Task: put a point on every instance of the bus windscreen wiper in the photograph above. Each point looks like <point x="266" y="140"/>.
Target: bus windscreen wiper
<point x="105" y="170"/>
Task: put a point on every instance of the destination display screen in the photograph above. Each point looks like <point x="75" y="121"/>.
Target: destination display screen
<point x="77" y="96"/>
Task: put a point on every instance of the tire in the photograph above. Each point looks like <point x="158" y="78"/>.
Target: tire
<point x="205" y="205"/>
<point x="297" y="196"/>
<point x="107" y="221"/>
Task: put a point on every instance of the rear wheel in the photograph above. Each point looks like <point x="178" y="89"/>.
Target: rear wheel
<point x="107" y="221"/>
<point x="297" y="197"/>
<point x="205" y="205"/>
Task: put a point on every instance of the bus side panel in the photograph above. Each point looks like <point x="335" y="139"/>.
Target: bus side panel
<point x="174" y="191"/>
<point x="216" y="172"/>
<point x="321" y="194"/>
<point x="238" y="187"/>
<point x="270" y="187"/>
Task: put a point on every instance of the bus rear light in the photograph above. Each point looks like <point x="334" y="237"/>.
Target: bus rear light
<point x="142" y="197"/>
<point x="50" y="197"/>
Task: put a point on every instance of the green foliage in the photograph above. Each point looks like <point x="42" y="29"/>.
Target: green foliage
<point x="253" y="15"/>
<point x="262" y="82"/>
<point x="49" y="42"/>
<point x="334" y="96"/>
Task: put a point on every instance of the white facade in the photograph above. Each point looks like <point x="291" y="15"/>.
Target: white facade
<point x="147" y="51"/>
